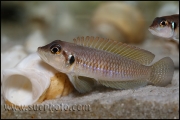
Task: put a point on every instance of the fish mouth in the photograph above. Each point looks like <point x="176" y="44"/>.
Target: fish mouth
<point x="165" y="32"/>
<point x="41" y="54"/>
<point x="152" y="30"/>
<point x="155" y="32"/>
<point x="39" y="51"/>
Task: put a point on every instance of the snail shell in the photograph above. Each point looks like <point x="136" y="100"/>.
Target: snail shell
<point x="119" y="21"/>
<point x="32" y="81"/>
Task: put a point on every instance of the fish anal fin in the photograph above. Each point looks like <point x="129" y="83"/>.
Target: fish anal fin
<point x="82" y="84"/>
<point x="133" y="84"/>
<point x="142" y="56"/>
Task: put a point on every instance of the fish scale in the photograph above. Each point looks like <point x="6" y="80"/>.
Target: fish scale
<point x="105" y="64"/>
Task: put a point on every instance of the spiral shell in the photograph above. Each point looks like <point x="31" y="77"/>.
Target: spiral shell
<point x="119" y="21"/>
<point x="32" y="81"/>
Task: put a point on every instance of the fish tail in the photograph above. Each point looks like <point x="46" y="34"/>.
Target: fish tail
<point x="162" y="72"/>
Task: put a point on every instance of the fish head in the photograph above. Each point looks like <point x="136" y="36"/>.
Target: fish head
<point x="54" y="54"/>
<point x="161" y="27"/>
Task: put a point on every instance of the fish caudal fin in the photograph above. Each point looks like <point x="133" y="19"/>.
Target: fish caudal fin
<point x="162" y="72"/>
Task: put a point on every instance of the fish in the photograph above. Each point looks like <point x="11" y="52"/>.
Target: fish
<point x="90" y="60"/>
<point x="166" y="27"/>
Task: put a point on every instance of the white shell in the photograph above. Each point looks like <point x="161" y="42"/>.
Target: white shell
<point x="26" y="82"/>
<point x="12" y="57"/>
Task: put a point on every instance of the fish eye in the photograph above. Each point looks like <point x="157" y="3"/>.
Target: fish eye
<point x="163" y="23"/>
<point x="55" y="49"/>
<point x="71" y="59"/>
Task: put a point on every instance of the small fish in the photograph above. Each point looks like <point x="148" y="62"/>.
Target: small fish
<point x="166" y="27"/>
<point x="111" y="63"/>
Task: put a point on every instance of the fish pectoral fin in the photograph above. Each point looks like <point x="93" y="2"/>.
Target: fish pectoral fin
<point x="82" y="84"/>
<point x="130" y="84"/>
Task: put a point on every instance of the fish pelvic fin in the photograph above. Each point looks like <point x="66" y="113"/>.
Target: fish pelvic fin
<point x="162" y="72"/>
<point x="133" y="84"/>
<point x="82" y="84"/>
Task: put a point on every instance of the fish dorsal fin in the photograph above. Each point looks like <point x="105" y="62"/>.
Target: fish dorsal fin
<point x="142" y="56"/>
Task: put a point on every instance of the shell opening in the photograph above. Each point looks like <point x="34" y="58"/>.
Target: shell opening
<point x="18" y="90"/>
